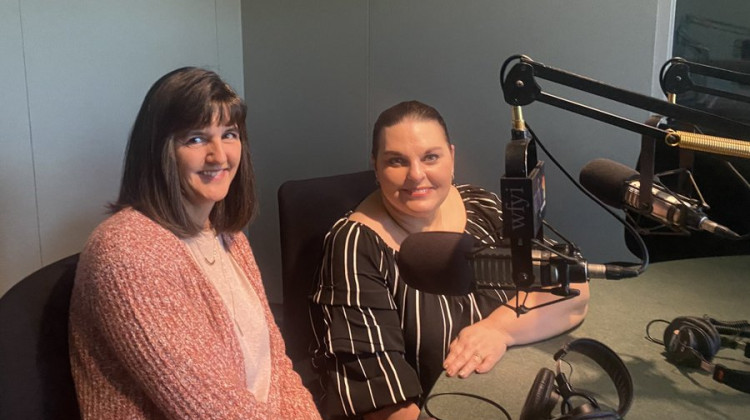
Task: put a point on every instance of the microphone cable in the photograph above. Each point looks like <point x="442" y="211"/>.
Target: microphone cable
<point x="631" y="230"/>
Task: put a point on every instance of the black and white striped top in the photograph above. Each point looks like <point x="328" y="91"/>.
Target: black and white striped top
<point x="379" y="341"/>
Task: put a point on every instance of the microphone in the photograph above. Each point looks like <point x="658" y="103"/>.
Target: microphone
<point x="451" y="263"/>
<point x="619" y="186"/>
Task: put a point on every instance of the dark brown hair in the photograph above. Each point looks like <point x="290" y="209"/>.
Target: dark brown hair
<point x="182" y="100"/>
<point x="401" y="111"/>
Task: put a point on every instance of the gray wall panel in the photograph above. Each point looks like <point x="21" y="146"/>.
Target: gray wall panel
<point x="229" y="43"/>
<point x="306" y="89"/>
<point x="88" y="66"/>
<point x="79" y="139"/>
<point x="19" y="234"/>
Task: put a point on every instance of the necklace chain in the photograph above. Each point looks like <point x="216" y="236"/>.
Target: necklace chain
<point x="225" y="277"/>
<point x="215" y="250"/>
<point x="230" y="282"/>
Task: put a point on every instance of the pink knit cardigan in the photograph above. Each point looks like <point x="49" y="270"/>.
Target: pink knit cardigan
<point x="150" y="337"/>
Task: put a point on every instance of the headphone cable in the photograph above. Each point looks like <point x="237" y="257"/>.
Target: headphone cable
<point x="463" y="394"/>
<point x="648" y="333"/>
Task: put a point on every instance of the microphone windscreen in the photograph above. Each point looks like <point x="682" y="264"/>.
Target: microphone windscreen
<point x="437" y="262"/>
<point x="607" y="180"/>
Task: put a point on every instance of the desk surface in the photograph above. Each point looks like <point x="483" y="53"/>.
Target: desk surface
<point x="618" y="314"/>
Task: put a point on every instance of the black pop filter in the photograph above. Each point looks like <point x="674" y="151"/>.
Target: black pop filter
<point x="437" y="262"/>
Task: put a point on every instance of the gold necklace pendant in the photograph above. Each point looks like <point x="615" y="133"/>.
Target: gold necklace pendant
<point x="212" y="261"/>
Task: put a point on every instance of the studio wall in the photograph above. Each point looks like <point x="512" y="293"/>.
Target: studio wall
<point x="72" y="78"/>
<point x="317" y="74"/>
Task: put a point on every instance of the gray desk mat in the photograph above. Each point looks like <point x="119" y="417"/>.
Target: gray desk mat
<point x="618" y="314"/>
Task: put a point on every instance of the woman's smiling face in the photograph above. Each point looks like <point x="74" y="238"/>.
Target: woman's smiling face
<point x="414" y="166"/>
<point x="207" y="161"/>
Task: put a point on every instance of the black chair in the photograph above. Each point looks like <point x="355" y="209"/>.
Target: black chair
<point x="307" y="210"/>
<point x="35" y="378"/>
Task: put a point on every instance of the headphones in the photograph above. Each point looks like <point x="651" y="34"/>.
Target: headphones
<point x="550" y="387"/>
<point x="693" y="342"/>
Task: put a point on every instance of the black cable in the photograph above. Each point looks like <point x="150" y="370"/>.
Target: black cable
<point x="648" y="333"/>
<point x="641" y="244"/>
<point x="463" y="394"/>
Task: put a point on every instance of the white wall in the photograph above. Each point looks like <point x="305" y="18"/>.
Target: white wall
<point x="72" y="78"/>
<point x="318" y="74"/>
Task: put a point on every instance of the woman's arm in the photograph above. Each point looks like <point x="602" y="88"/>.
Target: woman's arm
<point x="359" y="327"/>
<point x="479" y="346"/>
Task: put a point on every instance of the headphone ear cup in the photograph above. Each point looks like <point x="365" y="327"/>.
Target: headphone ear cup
<point x="690" y="340"/>
<point x="680" y="346"/>
<point x="542" y="397"/>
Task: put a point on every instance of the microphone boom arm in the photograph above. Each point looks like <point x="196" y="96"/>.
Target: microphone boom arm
<point x="528" y="91"/>
<point x="520" y="88"/>
<point x="674" y="78"/>
<point x="522" y="187"/>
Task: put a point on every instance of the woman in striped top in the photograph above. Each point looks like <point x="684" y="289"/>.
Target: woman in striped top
<point x="381" y="343"/>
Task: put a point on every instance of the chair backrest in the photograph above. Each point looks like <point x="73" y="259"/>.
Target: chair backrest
<point x="35" y="378"/>
<point x="307" y="210"/>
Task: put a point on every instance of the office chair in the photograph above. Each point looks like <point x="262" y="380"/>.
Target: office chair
<point x="307" y="210"/>
<point x="35" y="378"/>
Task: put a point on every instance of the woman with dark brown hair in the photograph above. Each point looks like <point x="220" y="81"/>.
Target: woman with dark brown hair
<point x="168" y="317"/>
<point x="383" y="344"/>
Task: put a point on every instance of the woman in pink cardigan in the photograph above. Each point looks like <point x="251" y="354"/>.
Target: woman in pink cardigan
<point x="168" y="318"/>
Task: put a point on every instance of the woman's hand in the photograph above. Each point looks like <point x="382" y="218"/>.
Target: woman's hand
<point x="476" y="349"/>
<point x="479" y="346"/>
